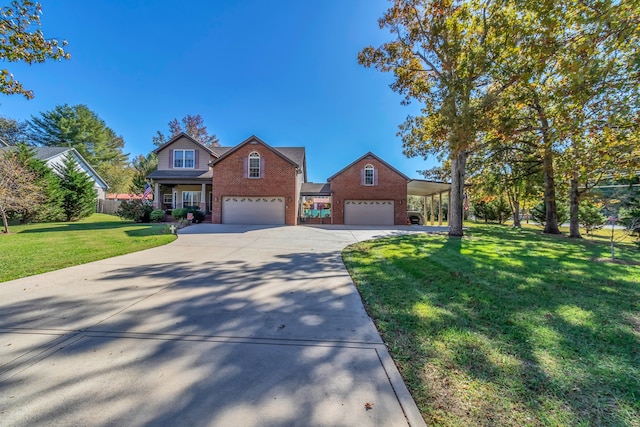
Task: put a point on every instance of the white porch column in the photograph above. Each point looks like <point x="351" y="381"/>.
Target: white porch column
<point x="424" y="209"/>
<point x="433" y="202"/>
<point x="156" y="196"/>
<point x="440" y="209"/>
<point x="203" y="198"/>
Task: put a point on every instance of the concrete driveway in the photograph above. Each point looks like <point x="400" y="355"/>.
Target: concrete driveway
<point x="226" y="326"/>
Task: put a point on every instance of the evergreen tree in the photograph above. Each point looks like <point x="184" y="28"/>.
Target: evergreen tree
<point x="80" y="128"/>
<point x="48" y="183"/>
<point x="78" y="196"/>
<point x="142" y="166"/>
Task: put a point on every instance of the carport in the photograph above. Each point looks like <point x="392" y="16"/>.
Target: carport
<point x="429" y="190"/>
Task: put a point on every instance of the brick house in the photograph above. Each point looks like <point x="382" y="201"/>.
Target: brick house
<point x="369" y="191"/>
<point x="255" y="183"/>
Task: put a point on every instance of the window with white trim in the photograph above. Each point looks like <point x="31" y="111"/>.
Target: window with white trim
<point x="184" y="159"/>
<point x="368" y="175"/>
<point x="254" y="165"/>
<point x="168" y="199"/>
<point x="191" y="198"/>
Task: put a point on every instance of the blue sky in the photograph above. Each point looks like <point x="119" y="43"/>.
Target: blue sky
<point x="283" y="70"/>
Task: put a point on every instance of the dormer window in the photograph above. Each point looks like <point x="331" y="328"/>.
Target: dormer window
<point x="369" y="175"/>
<point x="184" y="159"/>
<point x="254" y="165"/>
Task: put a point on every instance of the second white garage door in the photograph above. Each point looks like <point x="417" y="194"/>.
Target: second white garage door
<point x="368" y="212"/>
<point x="252" y="210"/>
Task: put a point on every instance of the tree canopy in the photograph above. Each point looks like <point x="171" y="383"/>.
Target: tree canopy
<point x="80" y="128"/>
<point x="526" y="84"/>
<point x="191" y="125"/>
<point x="21" y="40"/>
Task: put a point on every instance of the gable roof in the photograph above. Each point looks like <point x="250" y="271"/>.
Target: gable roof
<point x="293" y="155"/>
<point x="368" y="155"/>
<point x="184" y="135"/>
<point x="47" y="153"/>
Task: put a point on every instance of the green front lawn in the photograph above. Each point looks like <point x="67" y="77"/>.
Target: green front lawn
<point x="37" y="248"/>
<point x="508" y="326"/>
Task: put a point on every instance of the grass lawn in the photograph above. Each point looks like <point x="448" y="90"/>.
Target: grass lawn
<point x="508" y="326"/>
<point x="36" y="248"/>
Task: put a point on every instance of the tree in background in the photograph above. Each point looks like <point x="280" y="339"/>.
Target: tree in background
<point x="13" y="132"/>
<point x="21" y="40"/>
<point x="18" y="187"/>
<point x="80" y="128"/>
<point x="78" y="195"/>
<point x="191" y="125"/>
<point x="48" y="184"/>
<point x="142" y="166"/>
<point x="444" y="55"/>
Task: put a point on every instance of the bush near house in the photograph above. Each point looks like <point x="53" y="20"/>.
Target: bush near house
<point x="135" y="210"/>
<point x="157" y="215"/>
<point x="181" y="213"/>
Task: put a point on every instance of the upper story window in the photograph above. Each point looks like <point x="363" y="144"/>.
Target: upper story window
<point x="254" y="165"/>
<point x="184" y="159"/>
<point x="368" y="175"/>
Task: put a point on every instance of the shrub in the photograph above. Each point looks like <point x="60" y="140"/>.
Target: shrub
<point x="590" y="216"/>
<point x="540" y="211"/>
<point x="180" y="213"/>
<point x="156" y="215"/>
<point x="135" y="210"/>
<point x="496" y="210"/>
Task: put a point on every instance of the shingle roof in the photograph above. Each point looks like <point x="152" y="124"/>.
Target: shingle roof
<point x="368" y="155"/>
<point x="295" y="155"/>
<point x="182" y="135"/>
<point x="43" y="153"/>
<point x="315" y="189"/>
<point x="180" y="174"/>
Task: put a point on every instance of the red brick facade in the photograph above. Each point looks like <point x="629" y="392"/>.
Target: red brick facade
<point x="391" y="185"/>
<point x="279" y="180"/>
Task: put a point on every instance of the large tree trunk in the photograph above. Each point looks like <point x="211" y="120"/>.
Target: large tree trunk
<point x="551" y="219"/>
<point x="456" y="208"/>
<point x="574" y="203"/>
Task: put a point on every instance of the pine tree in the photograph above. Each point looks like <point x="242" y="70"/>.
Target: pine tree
<point x="48" y="183"/>
<point x="78" y="196"/>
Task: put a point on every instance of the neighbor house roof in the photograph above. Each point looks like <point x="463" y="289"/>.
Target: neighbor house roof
<point x="48" y="153"/>
<point x="369" y="154"/>
<point x="183" y="135"/>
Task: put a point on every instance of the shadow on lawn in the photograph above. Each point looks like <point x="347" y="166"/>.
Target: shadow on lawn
<point x="85" y="226"/>
<point x="121" y="371"/>
<point x="548" y="330"/>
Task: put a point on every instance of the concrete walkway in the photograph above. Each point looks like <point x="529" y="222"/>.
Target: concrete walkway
<point x="226" y="326"/>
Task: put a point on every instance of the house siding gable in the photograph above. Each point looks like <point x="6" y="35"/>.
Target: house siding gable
<point x="165" y="157"/>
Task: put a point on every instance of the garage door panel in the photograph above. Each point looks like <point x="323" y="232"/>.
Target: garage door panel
<point x="253" y="210"/>
<point x="369" y="212"/>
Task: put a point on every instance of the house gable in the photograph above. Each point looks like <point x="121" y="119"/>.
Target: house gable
<point x="272" y="174"/>
<point x="182" y="150"/>
<point x="386" y="184"/>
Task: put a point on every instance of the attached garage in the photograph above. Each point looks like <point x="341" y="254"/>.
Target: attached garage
<point x="368" y="212"/>
<point x="253" y="210"/>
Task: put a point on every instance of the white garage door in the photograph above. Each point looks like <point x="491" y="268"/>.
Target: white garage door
<point x="368" y="212"/>
<point x="252" y="210"/>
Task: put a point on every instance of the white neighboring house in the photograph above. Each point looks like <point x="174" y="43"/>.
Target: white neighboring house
<point x="55" y="155"/>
